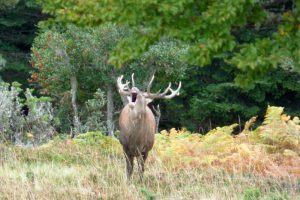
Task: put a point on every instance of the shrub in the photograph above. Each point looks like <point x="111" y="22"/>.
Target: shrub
<point x="100" y="140"/>
<point x="279" y="132"/>
<point x="26" y="121"/>
<point x="11" y="121"/>
<point x="90" y="138"/>
<point x="94" y="109"/>
<point x="272" y="149"/>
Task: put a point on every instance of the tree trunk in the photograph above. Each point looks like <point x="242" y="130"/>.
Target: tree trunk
<point x="76" y="121"/>
<point x="110" y="110"/>
<point x="157" y="116"/>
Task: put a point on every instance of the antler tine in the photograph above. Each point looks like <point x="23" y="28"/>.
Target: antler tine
<point x="173" y="92"/>
<point x="166" y="90"/>
<point x="122" y="87"/>
<point x="150" y="84"/>
<point x="132" y="80"/>
<point x="163" y="95"/>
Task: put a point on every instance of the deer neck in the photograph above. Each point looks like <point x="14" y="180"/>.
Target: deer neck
<point x="138" y="115"/>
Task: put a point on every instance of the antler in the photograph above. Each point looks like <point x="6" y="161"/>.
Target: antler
<point x="123" y="88"/>
<point x="163" y="95"/>
<point x="132" y="80"/>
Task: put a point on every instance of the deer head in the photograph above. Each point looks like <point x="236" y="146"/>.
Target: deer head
<point x="138" y="99"/>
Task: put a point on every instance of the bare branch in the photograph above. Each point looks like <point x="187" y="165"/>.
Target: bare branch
<point x="157" y="116"/>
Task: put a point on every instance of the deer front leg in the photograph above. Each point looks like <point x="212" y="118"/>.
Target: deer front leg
<point x="141" y="162"/>
<point x="129" y="165"/>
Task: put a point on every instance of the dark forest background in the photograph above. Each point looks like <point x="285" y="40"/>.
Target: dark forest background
<point x="210" y="96"/>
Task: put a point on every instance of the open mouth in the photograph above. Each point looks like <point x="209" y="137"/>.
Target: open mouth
<point x="133" y="97"/>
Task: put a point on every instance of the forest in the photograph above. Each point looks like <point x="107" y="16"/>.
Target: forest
<point x="232" y="131"/>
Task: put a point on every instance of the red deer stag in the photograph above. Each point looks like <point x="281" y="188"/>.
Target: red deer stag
<point x="137" y="122"/>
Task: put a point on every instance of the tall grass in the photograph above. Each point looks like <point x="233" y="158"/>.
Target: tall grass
<point x="68" y="170"/>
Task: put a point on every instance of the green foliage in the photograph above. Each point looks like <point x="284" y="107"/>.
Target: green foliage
<point x="238" y="38"/>
<point x="30" y="176"/>
<point x="64" y="115"/>
<point x="273" y="115"/>
<point x="148" y="194"/>
<point x="256" y="59"/>
<point x="17" y="30"/>
<point x="219" y="136"/>
<point x="252" y="194"/>
<point x="99" y="140"/>
<point x="83" y="52"/>
<point x="90" y="138"/>
<point x="164" y="58"/>
<point x="58" y="55"/>
<point x="27" y="121"/>
<point x="280" y="132"/>
<point x="105" y="143"/>
<point x="95" y="118"/>
<point x="209" y="26"/>
<point x="8" y="4"/>
<point x="267" y="53"/>
<point x="56" y="151"/>
<point x="210" y="98"/>
<point x="2" y="62"/>
<point x="180" y="19"/>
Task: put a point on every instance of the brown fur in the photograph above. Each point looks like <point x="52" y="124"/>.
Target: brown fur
<point x="137" y="131"/>
<point x="137" y="122"/>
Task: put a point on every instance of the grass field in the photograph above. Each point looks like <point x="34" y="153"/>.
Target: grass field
<point x="66" y="169"/>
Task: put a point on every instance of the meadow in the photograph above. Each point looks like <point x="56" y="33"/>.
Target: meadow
<point x="182" y="165"/>
<point x="59" y="107"/>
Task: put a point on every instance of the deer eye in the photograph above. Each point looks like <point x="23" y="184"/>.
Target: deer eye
<point x="133" y="97"/>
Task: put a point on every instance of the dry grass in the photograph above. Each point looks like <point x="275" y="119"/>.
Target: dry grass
<point x="65" y="170"/>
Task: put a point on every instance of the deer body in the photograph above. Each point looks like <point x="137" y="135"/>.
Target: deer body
<point x="137" y="123"/>
<point x="137" y="130"/>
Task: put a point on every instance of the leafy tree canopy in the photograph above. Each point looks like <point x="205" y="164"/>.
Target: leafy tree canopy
<point x="18" y="26"/>
<point x="6" y="4"/>
<point x="212" y="27"/>
<point x="57" y="55"/>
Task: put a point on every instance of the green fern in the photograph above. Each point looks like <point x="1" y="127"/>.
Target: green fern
<point x="273" y="115"/>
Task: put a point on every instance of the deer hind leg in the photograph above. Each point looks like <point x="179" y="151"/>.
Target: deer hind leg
<point x="129" y="165"/>
<point x="145" y="156"/>
<point x="141" y="163"/>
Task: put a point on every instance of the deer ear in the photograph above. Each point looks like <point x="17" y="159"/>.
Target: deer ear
<point x="148" y="100"/>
